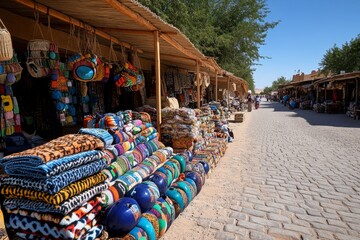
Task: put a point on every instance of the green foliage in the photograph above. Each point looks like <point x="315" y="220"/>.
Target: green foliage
<point x="346" y="58"/>
<point x="231" y="31"/>
<point x="275" y="85"/>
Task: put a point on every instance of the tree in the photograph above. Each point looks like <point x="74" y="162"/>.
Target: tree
<point x="231" y="31"/>
<point x="275" y="85"/>
<point x="346" y="58"/>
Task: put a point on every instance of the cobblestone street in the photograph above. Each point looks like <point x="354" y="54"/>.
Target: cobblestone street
<point x="289" y="174"/>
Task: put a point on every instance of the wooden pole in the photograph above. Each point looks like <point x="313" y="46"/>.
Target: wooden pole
<point x="317" y="94"/>
<point x="228" y="96"/>
<point x="198" y="83"/>
<point x="65" y="18"/>
<point x="357" y="91"/>
<point x="216" y="85"/>
<point x="157" y="80"/>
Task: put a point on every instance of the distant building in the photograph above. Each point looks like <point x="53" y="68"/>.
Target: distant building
<point x="258" y="90"/>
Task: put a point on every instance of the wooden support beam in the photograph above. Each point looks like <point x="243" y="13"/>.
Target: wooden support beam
<point x="357" y="91"/>
<point x="157" y="80"/>
<point x="19" y="27"/>
<point x="65" y="18"/>
<point x="171" y="55"/>
<point x="228" y="93"/>
<point x="216" y="85"/>
<point x="198" y="83"/>
<point x="134" y="31"/>
<point x="131" y="14"/>
<point x="179" y="47"/>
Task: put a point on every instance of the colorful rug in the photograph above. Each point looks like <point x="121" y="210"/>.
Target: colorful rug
<point x="61" y="196"/>
<point x="64" y="208"/>
<point x="54" y="167"/>
<point x="54" y="184"/>
<point x="63" y="220"/>
<point x="55" y="149"/>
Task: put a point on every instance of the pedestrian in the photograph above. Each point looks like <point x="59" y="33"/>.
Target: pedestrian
<point x="249" y="99"/>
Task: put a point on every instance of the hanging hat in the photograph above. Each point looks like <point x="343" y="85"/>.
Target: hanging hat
<point x="56" y="95"/>
<point x="84" y="70"/>
<point x="60" y="106"/>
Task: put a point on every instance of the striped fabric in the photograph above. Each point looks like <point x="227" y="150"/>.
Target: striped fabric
<point x="54" y="184"/>
<point x="61" y="196"/>
<point x="55" y="149"/>
<point x="64" y="208"/>
<point x="54" y="167"/>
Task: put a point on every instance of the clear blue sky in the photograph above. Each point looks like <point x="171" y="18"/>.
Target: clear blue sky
<point x="307" y="29"/>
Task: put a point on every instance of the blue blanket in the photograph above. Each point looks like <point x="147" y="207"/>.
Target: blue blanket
<point x="54" y="167"/>
<point x="55" y="183"/>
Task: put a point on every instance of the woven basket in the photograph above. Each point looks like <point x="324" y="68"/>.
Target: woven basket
<point x="6" y="49"/>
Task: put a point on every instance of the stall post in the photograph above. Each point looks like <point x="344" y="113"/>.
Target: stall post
<point x="216" y="85"/>
<point x="228" y="93"/>
<point x="317" y="93"/>
<point x="198" y="83"/>
<point x="157" y="80"/>
<point x="357" y="91"/>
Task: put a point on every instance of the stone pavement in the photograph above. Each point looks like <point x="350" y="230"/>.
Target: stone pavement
<point x="289" y="174"/>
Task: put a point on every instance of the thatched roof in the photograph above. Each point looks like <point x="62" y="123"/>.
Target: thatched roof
<point x="125" y="21"/>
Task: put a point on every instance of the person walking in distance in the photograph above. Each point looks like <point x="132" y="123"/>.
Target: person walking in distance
<point x="249" y="99"/>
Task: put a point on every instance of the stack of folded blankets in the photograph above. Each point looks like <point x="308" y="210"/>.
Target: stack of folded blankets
<point x="206" y="129"/>
<point x="53" y="191"/>
<point x="179" y="128"/>
<point x="151" y="111"/>
<point x="134" y="154"/>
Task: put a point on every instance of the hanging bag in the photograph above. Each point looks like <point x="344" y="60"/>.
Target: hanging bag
<point x="37" y="62"/>
<point x="6" y="49"/>
<point x="13" y="70"/>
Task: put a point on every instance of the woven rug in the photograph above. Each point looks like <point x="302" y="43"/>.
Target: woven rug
<point x="55" y="183"/>
<point x="64" y="208"/>
<point x="61" y="196"/>
<point x="54" y="167"/>
<point x="55" y="149"/>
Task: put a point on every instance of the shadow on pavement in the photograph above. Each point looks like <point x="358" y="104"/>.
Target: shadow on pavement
<point x="314" y="118"/>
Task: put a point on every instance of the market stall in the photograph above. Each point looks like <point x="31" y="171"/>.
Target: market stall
<point x="77" y="91"/>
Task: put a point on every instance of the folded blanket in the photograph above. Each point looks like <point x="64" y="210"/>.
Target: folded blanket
<point x="120" y="186"/>
<point x="120" y="166"/>
<point x="54" y="167"/>
<point x="55" y="183"/>
<point x="63" y="220"/>
<point x="119" y="136"/>
<point x="94" y="233"/>
<point x="64" y="208"/>
<point x="61" y="196"/>
<point x="141" y="139"/>
<point x="55" y="149"/>
<point x="102" y="134"/>
<point x="139" y="128"/>
<point x="148" y="131"/>
<point x="46" y="229"/>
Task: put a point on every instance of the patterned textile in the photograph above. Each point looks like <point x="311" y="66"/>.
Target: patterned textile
<point x="61" y="196"/>
<point x="45" y="229"/>
<point x="119" y="136"/>
<point x="94" y="233"/>
<point x="102" y="134"/>
<point x="148" y="131"/>
<point x="56" y="166"/>
<point x="120" y="166"/>
<point x="54" y="184"/>
<point x="55" y="149"/>
<point x="62" y="220"/>
<point x="142" y="139"/>
<point x="65" y="208"/>
<point x="120" y="186"/>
